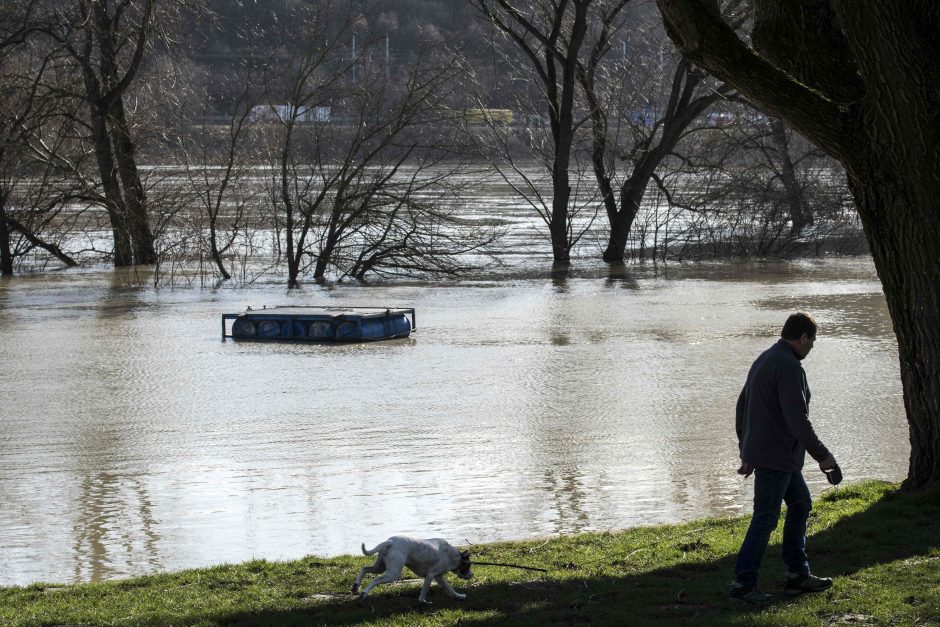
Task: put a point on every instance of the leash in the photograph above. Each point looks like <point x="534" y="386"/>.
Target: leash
<point x="476" y="563"/>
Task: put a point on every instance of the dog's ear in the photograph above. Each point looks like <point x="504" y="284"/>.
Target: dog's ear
<point x="465" y="555"/>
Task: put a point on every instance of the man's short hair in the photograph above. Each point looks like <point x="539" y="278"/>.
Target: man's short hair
<point x="798" y="324"/>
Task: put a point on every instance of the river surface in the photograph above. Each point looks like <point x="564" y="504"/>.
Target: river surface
<point x="133" y="440"/>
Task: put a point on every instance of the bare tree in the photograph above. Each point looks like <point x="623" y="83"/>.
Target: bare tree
<point x="361" y="165"/>
<point x="741" y="184"/>
<point x="108" y="41"/>
<point x="32" y="189"/>
<point x="552" y="37"/>
<point x="648" y="127"/>
<point x="88" y="30"/>
<point x="218" y="181"/>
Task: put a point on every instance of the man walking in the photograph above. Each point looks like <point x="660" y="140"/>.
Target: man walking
<point x="774" y="435"/>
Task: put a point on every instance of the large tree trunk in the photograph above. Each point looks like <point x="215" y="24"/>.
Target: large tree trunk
<point x="893" y="164"/>
<point x="114" y="200"/>
<point x="631" y="197"/>
<point x="138" y="218"/>
<point x="98" y="54"/>
<point x="561" y="190"/>
<point x="900" y="219"/>
<point x="104" y="157"/>
<point x="135" y="199"/>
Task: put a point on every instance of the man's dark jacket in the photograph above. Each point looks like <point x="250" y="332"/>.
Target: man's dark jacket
<point x="772" y="417"/>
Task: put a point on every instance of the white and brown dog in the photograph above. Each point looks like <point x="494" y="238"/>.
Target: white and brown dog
<point x="431" y="559"/>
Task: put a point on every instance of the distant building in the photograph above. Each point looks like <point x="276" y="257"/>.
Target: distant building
<point x="283" y="113"/>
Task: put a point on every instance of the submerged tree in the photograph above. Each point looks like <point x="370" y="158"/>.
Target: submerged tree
<point x="107" y="42"/>
<point x="751" y="187"/>
<point x="860" y="81"/>
<point x="219" y="179"/>
<point x="554" y="39"/>
<point x="362" y="168"/>
<point x="637" y="108"/>
<point x="36" y="133"/>
<point x="647" y="127"/>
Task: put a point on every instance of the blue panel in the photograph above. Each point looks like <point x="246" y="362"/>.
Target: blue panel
<point x="348" y="331"/>
<point x="269" y="328"/>
<point x="242" y="327"/>
<point x="373" y="328"/>
<point x="320" y="330"/>
<point x="399" y="326"/>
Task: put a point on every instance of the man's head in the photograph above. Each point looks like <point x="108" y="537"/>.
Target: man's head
<point x="800" y="332"/>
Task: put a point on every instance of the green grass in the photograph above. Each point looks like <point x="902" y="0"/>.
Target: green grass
<point x="881" y="545"/>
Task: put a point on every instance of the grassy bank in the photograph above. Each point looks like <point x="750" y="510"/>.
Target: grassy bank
<point x="882" y="546"/>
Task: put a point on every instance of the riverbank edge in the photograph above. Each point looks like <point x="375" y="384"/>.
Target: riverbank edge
<point x="880" y="544"/>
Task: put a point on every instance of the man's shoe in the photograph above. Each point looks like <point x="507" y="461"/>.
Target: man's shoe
<point x="806" y="583"/>
<point x="749" y="595"/>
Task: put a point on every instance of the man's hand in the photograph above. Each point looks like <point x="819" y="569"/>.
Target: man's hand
<point x="828" y="463"/>
<point x="746" y="469"/>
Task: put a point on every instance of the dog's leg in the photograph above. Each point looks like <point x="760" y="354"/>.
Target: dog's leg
<point x="423" y="597"/>
<point x="390" y="575"/>
<point x="376" y="568"/>
<point x="450" y="591"/>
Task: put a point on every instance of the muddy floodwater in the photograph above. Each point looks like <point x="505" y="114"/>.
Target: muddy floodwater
<point x="134" y="440"/>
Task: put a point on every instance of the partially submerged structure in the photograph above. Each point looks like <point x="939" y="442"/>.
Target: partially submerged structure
<point x="320" y="324"/>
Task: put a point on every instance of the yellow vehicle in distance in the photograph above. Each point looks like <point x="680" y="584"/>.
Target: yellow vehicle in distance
<point x="488" y="116"/>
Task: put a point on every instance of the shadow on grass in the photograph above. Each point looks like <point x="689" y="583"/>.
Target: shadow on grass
<point x="896" y="527"/>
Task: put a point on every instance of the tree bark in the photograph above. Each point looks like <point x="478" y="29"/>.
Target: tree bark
<point x="138" y="217"/>
<point x="878" y="117"/>
<point x="900" y="217"/>
<point x="114" y="200"/>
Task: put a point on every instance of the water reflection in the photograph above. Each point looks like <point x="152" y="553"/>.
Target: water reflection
<point x="585" y="399"/>
<point x="620" y="275"/>
<point x="114" y="527"/>
<point x="560" y="274"/>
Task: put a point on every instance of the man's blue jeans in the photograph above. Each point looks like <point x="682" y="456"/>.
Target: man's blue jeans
<point x="771" y="487"/>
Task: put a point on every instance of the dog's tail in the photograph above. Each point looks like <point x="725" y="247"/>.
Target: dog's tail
<point x="375" y="550"/>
